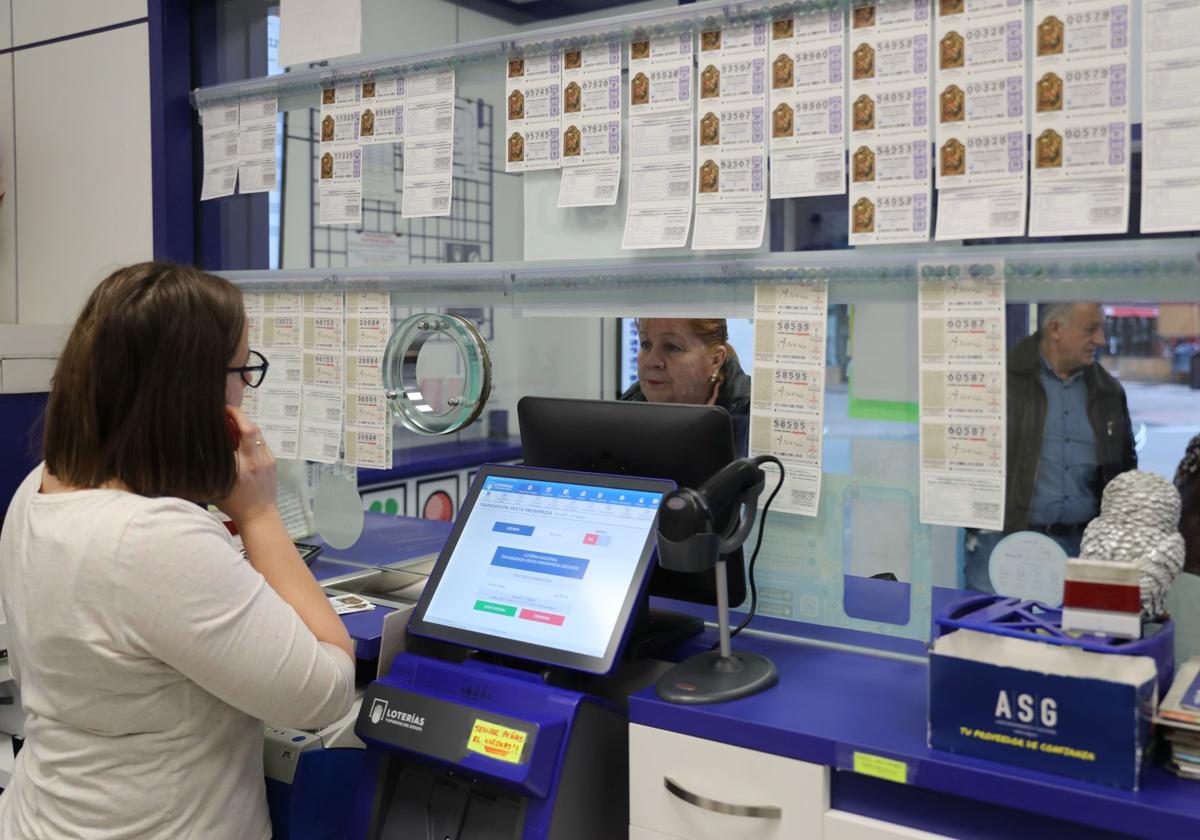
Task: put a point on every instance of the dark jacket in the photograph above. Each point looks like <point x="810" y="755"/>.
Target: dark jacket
<point x="1108" y="413"/>
<point x="733" y="396"/>
<point x="1187" y="480"/>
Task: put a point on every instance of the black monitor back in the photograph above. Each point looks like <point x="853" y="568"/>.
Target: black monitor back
<point x="684" y="443"/>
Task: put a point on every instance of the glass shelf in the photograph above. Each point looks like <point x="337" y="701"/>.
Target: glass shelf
<point x="689" y="18"/>
<point x="1155" y="269"/>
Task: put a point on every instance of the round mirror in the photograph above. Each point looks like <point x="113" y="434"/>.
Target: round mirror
<point x="407" y="399"/>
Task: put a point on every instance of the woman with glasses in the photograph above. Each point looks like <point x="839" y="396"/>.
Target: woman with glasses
<point x="147" y="649"/>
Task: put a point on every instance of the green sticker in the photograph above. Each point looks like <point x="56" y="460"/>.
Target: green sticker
<point x="881" y="768"/>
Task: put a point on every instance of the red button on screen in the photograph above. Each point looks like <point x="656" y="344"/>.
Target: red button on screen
<point x="590" y="539"/>
<point x="542" y="617"/>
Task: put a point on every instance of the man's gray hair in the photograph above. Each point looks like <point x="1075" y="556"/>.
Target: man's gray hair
<point x="1060" y="312"/>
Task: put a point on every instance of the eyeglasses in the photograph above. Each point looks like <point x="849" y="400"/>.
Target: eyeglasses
<point x="253" y="373"/>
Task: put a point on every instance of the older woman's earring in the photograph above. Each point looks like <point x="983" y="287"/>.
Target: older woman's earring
<point x="712" y="380"/>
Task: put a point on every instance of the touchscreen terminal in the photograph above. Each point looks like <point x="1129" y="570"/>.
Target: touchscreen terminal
<point x="544" y="565"/>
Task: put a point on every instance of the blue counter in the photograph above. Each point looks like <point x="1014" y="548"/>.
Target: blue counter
<point x="385" y="541"/>
<point x="830" y="704"/>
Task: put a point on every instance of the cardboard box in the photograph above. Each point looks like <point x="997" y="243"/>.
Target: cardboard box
<point x="1052" y="708"/>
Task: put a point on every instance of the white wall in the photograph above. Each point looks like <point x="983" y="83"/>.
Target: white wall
<point x="74" y="161"/>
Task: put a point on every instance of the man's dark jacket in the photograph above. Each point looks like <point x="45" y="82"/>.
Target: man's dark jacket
<point x="1107" y="410"/>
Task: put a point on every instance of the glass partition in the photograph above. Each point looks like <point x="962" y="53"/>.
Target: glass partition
<point x="554" y="296"/>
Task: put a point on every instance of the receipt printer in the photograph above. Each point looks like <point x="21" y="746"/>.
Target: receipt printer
<point x="476" y="751"/>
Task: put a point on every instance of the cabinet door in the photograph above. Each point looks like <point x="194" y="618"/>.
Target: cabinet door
<point x="704" y="790"/>
<point x="841" y="825"/>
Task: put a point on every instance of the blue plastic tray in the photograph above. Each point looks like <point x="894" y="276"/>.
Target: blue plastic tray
<point x="1035" y="621"/>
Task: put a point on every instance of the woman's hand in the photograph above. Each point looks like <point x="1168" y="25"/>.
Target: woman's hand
<point x="253" y="494"/>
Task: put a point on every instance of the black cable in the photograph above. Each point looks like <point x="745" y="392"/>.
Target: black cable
<point x="762" y="527"/>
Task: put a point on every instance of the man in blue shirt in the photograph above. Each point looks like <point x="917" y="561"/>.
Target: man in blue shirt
<point x="1069" y="434"/>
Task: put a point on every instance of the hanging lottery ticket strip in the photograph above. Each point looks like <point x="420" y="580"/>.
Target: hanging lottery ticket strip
<point x="962" y="394"/>
<point x="533" y="98"/>
<point x="731" y="151"/>
<point x="368" y="426"/>
<point x="1170" y="115"/>
<point x="659" y="206"/>
<point x="787" y="404"/>
<point x="889" y="126"/>
<point x="1080" y="118"/>
<point x="219" y="139"/>
<point x="428" y="145"/>
<point x="591" y="126"/>
<point x="256" y="144"/>
<point x="807" y="110"/>
<point x="274" y="324"/>
<point x="339" y="165"/>
<point x="981" y="169"/>
<point x="323" y="377"/>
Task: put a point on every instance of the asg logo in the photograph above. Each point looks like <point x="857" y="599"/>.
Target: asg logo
<point x="379" y="710"/>
<point x="1029" y="709"/>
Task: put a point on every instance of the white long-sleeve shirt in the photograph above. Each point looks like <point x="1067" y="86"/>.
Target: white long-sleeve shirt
<point x="148" y="651"/>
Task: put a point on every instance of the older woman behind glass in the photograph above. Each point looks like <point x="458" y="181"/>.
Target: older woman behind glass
<point x="690" y="360"/>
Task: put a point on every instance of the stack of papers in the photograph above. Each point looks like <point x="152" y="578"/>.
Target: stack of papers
<point x="1179" y="714"/>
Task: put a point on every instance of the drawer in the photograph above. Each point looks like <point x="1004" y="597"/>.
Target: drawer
<point x="704" y="776"/>
<point x="841" y="825"/>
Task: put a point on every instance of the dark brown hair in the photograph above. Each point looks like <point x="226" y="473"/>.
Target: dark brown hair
<point x="139" y="391"/>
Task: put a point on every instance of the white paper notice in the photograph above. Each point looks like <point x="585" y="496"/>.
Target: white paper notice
<point x="889" y="125"/>
<point x="314" y="30"/>
<point x="1170" y="116"/>
<point x="659" y="212"/>
<point x="731" y="153"/>
<point x="368" y="440"/>
<point x="256" y="144"/>
<point x="428" y="145"/>
<point x="808" y="146"/>
<point x="323" y="376"/>
<point x="981" y="119"/>
<point x="962" y="394"/>
<point x="533" y="87"/>
<point x="340" y="163"/>
<point x="1080" y="118"/>
<point x="219" y="135"/>
<point x="591" y="125"/>
<point x="275" y="323"/>
<point x="787" y="406"/>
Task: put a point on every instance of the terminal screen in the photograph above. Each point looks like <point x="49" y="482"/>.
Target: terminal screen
<point x="545" y="563"/>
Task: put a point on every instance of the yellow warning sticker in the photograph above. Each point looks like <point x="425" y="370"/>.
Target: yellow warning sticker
<point x="497" y="741"/>
<point x="881" y="768"/>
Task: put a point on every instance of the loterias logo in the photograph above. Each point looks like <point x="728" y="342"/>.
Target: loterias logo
<point x="381" y="710"/>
